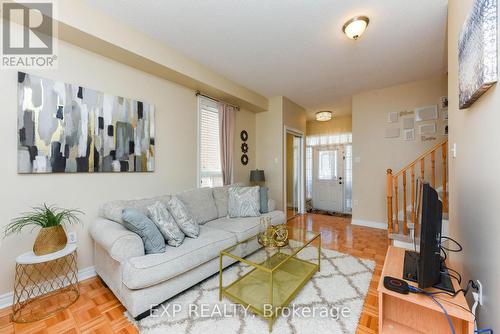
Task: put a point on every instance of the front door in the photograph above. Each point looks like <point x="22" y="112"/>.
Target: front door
<point x="328" y="183"/>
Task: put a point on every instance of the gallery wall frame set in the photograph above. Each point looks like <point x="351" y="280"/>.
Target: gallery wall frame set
<point x="66" y="128"/>
<point x="244" y="147"/>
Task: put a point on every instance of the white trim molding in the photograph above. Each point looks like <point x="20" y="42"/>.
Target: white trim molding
<point x="302" y="178"/>
<point x="86" y="273"/>
<point x="368" y="223"/>
<point x="7" y="299"/>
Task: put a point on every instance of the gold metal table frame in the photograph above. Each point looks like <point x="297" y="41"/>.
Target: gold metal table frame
<point x="45" y="285"/>
<point x="273" y="283"/>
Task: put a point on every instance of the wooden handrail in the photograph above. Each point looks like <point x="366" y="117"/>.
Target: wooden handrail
<point x="422" y="156"/>
<point x="393" y="187"/>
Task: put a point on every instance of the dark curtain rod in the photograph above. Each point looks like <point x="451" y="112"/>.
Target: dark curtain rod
<point x="198" y="93"/>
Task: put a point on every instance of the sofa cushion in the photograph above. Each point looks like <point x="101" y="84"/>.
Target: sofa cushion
<point x="137" y="222"/>
<point x="113" y="210"/>
<point x="221" y="198"/>
<point x="145" y="271"/>
<point x="163" y="219"/>
<point x="183" y="217"/>
<point x="247" y="227"/>
<point x="244" y="202"/>
<point x="200" y="203"/>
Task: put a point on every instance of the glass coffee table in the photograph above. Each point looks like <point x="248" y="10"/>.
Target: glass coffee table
<point x="276" y="275"/>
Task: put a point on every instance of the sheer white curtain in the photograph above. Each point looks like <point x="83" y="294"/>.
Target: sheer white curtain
<point x="321" y="140"/>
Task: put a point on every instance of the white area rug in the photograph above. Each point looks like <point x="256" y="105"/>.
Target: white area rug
<point x="341" y="285"/>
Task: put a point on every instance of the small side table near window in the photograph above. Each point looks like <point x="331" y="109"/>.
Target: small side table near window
<point x="44" y="284"/>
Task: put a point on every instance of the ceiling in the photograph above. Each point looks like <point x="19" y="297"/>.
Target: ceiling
<point x="296" y="48"/>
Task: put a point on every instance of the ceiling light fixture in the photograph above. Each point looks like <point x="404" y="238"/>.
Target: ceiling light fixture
<point x="323" y="116"/>
<point x="355" y="27"/>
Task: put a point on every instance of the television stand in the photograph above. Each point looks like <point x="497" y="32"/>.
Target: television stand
<point x="417" y="313"/>
<point x="410" y="272"/>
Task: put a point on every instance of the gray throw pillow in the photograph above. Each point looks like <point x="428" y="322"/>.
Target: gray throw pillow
<point x="159" y="214"/>
<point x="183" y="218"/>
<point x="264" y="208"/>
<point x="221" y="200"/>
<point x="200" y="203"/>
<point x="137" y="222"/>
<point x="244" y="202"/>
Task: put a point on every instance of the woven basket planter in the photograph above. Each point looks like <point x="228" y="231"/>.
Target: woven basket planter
<point x="50" y="240"/>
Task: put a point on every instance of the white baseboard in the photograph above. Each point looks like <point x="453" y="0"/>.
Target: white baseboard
<point x="7" y="299"/>
<point x="86" y="273"/>
<point x="368" y="223"/>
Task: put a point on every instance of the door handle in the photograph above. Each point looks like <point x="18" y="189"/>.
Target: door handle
<point x="340" y="182"/>
<point x="340" y="177"/>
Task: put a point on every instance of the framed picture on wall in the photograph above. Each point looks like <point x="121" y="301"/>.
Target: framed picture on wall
<point x="477" y="52"/>
<point x="67" y="128"/>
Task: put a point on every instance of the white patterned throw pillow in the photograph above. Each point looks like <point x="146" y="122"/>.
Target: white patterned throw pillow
<point x="159" y="214"/>
<point x="183" y="217"/>
<point x="244" y="202"/>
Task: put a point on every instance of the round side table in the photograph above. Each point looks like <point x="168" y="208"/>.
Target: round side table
<point x="44" y="284"/>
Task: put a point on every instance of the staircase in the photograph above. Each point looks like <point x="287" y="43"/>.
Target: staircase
<point x="403" y="209"/>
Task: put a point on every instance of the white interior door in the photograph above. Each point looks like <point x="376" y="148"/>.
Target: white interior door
<point x="328" y="175"/>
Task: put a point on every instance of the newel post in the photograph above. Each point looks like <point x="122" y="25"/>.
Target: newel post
<point x="389" y="200"/>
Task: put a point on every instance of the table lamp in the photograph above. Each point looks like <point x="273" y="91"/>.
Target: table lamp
<point x="257" y="177"/>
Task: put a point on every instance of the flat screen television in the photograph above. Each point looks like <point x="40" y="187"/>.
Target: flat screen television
<point x="427" y="267"/>
<point x="429" y="262"/>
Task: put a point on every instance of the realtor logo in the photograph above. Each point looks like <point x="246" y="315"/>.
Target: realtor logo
<point x="28" y="35"/>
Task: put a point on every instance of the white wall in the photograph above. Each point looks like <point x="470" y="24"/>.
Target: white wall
<point x="270" y="138"/>
<point x="269" y="146"/>
<point x="475" y="179"/>
<point x="176" y="140"/>
<point x="376" y="153"/>
<point x="337" y="125"/>
<point x="245" y="120"/>
<point x="294" y="117"/>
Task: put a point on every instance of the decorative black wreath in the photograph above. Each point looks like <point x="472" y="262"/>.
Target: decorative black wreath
<point x="244" y="135"/>
<point x="244" y="159"/>
<point x="244" y="148"/>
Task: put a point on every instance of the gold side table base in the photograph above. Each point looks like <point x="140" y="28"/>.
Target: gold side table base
<point x="43" y="289"/>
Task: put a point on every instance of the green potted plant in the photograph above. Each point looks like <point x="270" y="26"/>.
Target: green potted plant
<point x="52" y="236"/>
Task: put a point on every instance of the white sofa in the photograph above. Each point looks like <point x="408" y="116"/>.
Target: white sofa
<point x="141" y="281"/>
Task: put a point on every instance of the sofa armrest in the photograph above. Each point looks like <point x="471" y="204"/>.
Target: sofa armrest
<point x="271" y="205"/>
<point x="120" y="243"/>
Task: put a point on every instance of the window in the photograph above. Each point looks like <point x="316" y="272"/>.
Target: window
<point x="348" y="177"/>
<point x="210" y="171"/>
<point x="327" y="165"/>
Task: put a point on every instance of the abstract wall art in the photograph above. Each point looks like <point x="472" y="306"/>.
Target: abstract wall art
<point x="66" y="128"/>
<point x="477" y="52"/>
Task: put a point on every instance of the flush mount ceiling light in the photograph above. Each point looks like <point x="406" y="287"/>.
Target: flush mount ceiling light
<point x="323" y="116"/>
<point x="355" y="27"/>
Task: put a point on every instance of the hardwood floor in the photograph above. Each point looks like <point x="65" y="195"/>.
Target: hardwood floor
<point x="98" y="310"/>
